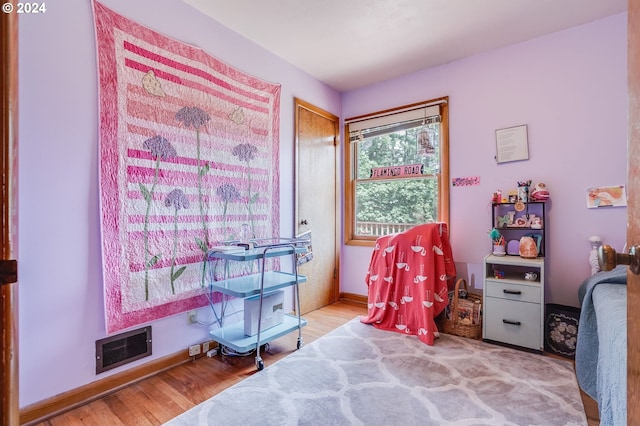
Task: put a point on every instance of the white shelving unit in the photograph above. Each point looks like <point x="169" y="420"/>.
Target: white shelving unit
<point x="233" y="335"/>
<point x="513" y="307"/>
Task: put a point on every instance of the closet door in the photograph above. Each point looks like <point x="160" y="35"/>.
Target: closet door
<point x="316" y="193"/>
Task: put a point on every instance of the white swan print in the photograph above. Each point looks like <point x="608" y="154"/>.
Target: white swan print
<point x="400" y="325"/>
<point x="388" y="250"/>
<point x="418" y="248"/>
<point x="401" y="265"/>
<point x="427" y="303"/>
<point x="379" y="303"/>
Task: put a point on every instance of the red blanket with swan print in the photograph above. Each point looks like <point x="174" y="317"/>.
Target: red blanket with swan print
<point x="408" y="280"/>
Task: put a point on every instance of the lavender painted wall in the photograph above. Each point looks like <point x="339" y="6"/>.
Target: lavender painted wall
<point x="61" y="303"/>
<point x="570" y="88"/>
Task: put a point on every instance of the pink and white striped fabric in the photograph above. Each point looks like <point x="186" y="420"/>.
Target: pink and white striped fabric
<point x="188" y="154"/>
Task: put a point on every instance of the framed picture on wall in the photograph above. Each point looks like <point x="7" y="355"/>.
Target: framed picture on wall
<point x="606" y="196"/>
<point x="512" y="144"/>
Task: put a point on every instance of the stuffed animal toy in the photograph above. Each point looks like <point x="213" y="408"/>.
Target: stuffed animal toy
<point x="540" y="192"/>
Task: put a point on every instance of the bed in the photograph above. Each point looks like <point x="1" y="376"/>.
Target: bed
<point x="408" y="280"/>
<point x="601" y="351"/>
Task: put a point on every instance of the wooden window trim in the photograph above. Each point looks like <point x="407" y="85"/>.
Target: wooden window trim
<point x="349" y="173"/>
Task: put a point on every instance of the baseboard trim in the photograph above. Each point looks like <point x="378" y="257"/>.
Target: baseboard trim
<point x="351" y="297"/>
<point x="56" y="405"/>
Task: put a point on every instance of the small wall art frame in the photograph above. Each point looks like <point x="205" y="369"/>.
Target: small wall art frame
<point x="512" y="144"/>
<point x="606" y="196"/>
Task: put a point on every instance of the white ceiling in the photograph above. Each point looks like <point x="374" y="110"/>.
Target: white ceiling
<point x="349" y="44"/>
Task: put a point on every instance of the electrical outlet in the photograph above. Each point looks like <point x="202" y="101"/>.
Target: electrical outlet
<point x="205" y="347"/>
<point x="194" y="350"/>
<point x="193" y="317"/>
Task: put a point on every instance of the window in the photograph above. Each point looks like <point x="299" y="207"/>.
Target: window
<point x="397" y="170"/>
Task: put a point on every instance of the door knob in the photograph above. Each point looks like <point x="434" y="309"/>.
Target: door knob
<point x="608" y="258"/>
<point x="304" y="222"/>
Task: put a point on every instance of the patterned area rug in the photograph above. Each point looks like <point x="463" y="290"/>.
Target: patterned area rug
<point x="359" y="375"/>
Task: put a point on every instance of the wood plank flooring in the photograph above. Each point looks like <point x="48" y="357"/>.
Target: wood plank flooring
<point x="162" y="397"/>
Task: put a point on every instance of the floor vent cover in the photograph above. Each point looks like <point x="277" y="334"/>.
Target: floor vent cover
<point x="121" y="349"/>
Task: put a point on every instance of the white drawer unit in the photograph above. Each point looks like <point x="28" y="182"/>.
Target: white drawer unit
<point x="513" y="307"/>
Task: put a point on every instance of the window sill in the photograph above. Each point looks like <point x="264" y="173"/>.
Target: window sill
<point x="361" y="243"/>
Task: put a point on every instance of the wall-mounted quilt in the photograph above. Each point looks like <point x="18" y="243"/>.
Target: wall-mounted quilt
<point x="188" y="155"/>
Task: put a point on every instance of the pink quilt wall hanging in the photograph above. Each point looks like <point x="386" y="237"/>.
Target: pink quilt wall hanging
<point x="188" y="155"/>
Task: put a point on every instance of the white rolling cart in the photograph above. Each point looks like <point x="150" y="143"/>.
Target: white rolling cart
<point x="259" y="284"/>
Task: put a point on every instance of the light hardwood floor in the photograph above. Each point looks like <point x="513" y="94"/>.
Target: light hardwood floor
<point x="162" y="397"/>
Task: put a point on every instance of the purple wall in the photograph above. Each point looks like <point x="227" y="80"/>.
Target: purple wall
<point x="570" y="89"/>
<point x="61" y="302"/>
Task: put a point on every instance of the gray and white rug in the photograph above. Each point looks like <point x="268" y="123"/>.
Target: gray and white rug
<point x="359" y="375"/>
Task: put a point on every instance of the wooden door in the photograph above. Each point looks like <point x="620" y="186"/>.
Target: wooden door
<point x="633" y="214"/>
<point x="316" y="202"/>
<point x="9" y="406"/>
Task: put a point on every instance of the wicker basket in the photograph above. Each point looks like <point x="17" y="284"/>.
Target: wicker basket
<point x="453" y="325"/>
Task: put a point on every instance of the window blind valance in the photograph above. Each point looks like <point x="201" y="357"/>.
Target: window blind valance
<point x="419" y="113"/>
<point x="393" y="122"/>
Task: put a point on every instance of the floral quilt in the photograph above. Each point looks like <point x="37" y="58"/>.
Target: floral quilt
<point x="188" y="150"/>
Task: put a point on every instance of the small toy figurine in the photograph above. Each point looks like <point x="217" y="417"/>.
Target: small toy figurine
<point x="540" y="192"/>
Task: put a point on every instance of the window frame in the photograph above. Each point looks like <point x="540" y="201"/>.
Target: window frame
<point x="350" y="238"/>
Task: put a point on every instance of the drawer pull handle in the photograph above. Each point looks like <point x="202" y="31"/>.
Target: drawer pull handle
<point x="511" y="322"/>
<point x="512" y="291"/>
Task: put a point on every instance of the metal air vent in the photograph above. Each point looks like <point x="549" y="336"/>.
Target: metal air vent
<point x="121" y="349"/>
